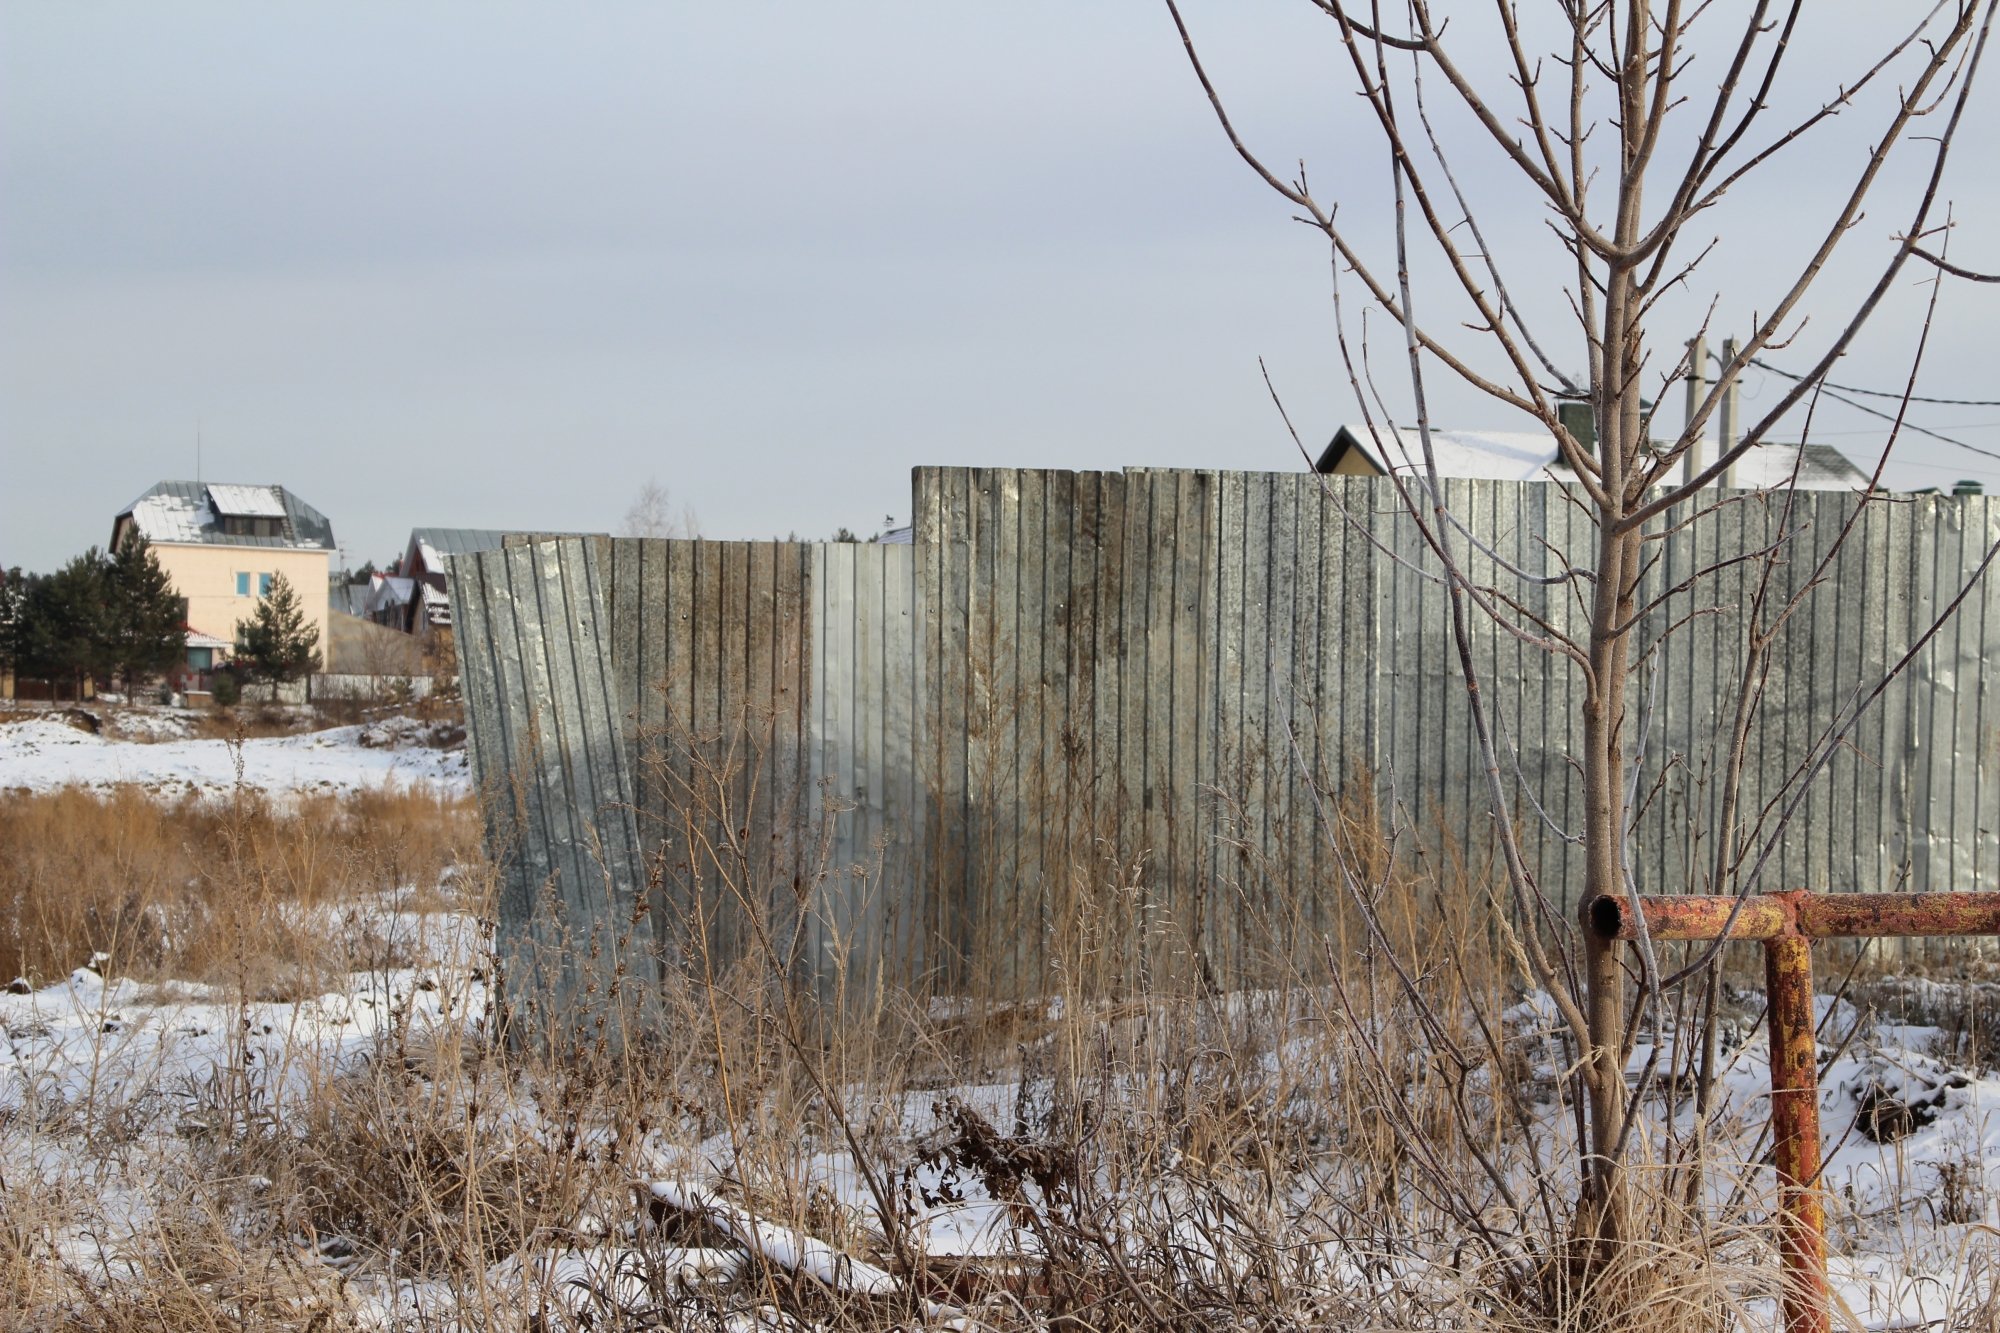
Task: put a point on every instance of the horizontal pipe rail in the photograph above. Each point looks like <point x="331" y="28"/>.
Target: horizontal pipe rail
<point x="1817" y="916"/>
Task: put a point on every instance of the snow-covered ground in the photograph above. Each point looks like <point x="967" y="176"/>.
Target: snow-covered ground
<point x="91" y="1061"/>
<point x="44" y="753"/>
<point x="155" y="1067"/>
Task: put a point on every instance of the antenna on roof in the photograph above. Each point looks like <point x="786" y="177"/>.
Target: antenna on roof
<point x="197" y="451"/>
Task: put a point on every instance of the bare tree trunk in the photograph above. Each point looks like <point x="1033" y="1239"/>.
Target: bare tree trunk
<point x="1636" y="51"/>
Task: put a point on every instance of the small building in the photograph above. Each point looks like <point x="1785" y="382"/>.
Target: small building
<point x="416" y="599"/>
<point x="1532" y="456"/>
<point x="389" y="599"/>
<point x="221" y="544"/>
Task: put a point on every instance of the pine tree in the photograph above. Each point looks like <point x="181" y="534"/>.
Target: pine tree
<point x="147" y="626"/>
<point x="278" y="643"/>
<point x="63" y="631"/>
<point x="13" y="592"/>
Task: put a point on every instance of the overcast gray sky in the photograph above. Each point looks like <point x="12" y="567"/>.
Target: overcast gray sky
<point x="499" y="265"/>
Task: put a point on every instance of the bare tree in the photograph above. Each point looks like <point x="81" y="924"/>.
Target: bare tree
<point x="1630" y="137"/>
<point x="652" y="514"/>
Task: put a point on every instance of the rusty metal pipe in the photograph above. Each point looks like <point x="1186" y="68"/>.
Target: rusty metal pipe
<point x="1788" y="980"/>
<point x="1819" y="916"/>
<point x="1787" y="924"/>
<point x="1689" y="917"/>
<point x="1825" y="916"/>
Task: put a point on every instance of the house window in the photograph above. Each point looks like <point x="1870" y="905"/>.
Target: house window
<point x="201" y="659"/>
<point x="236" y="525"/>
<point x="263" y="585"/>
<point x="242" y="585"/>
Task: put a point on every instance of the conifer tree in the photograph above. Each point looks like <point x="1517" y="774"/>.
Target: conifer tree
<point x="13" y="592"/>
<point x="278" y="643"/>
<point x="146" y="625"/>
<point x="63" y="624"/>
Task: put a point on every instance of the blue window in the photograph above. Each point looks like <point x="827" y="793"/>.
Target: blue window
<point x="263" y="585"/>
<point x="242" y="585"/>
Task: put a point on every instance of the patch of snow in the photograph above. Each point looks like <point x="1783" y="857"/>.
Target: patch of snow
<point x="44" y="755"/>
<point x="150" y="724"/>
<point x="171" y="518"/>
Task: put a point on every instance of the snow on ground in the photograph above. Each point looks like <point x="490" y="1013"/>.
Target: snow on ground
<point x="119" y="1044"/>
<point x="91" y="1060"/>
<point x="1904" y="1213"/>
<point x="44" y="754"/>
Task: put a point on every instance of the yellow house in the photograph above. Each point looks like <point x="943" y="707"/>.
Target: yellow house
<point x="221" y="545"/>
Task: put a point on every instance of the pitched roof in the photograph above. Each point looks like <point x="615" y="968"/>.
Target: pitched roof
<point x="436" y="542"/>
<point x="430" y="546"/>
<point x="390" y="590"/>
<point x="1531" y="456"/>
<point x="1500" y="455"/>
<point x="1821" y="468"/>
<point x="191" y="513"/>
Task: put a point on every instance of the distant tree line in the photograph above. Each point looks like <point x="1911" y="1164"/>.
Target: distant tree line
<point x="117" y="618"/>
<point x="100" y="617"/>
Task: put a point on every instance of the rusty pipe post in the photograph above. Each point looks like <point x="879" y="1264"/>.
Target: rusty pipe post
<point x="1772" y="920"/>
<point x="1786" y="924"/>
<point x="1788" y="984"/>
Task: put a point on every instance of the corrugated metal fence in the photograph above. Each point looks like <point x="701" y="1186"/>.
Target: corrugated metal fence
<point x="1111" y="701"/>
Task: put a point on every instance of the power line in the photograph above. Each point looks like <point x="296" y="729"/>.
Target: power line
<point x="1878" y="393"/>
<point x="1907" y="425"/>
<point x="1830" y="391"/>
<point x="1872" y="430"/>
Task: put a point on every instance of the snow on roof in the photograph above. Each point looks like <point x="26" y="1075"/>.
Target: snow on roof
<point x="437" y="606"/>
<point x="390" y="590"/>
<point x="246" y="501"/>
<point x="184" y="512"/>
<point x="1531" y="456"/>
<point x="170" y="517"/>
<point x="1821" y="467"/>
<point x="1500" y="455"/>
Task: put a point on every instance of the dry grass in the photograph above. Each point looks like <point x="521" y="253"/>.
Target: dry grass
<point x="1312" y="1154"/>
<point x="206" y="891"/>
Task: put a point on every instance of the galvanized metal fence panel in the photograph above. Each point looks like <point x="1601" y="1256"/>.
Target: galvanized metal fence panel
<point x="711" y="651"/>
<point x="864" y="742"/>
<point x="1085" y="730"/>
<point x="535" y="661"/>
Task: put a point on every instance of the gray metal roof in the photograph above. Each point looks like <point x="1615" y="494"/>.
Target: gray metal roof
<point x="351" y="598"/>
<point x="460" y="541"/>
<point x="185" y="513"/>
<point x="433" y="545"/>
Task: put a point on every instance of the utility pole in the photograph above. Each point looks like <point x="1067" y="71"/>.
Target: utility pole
<point x="1697" y="386"/>
<point x="1726" y="435"/>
